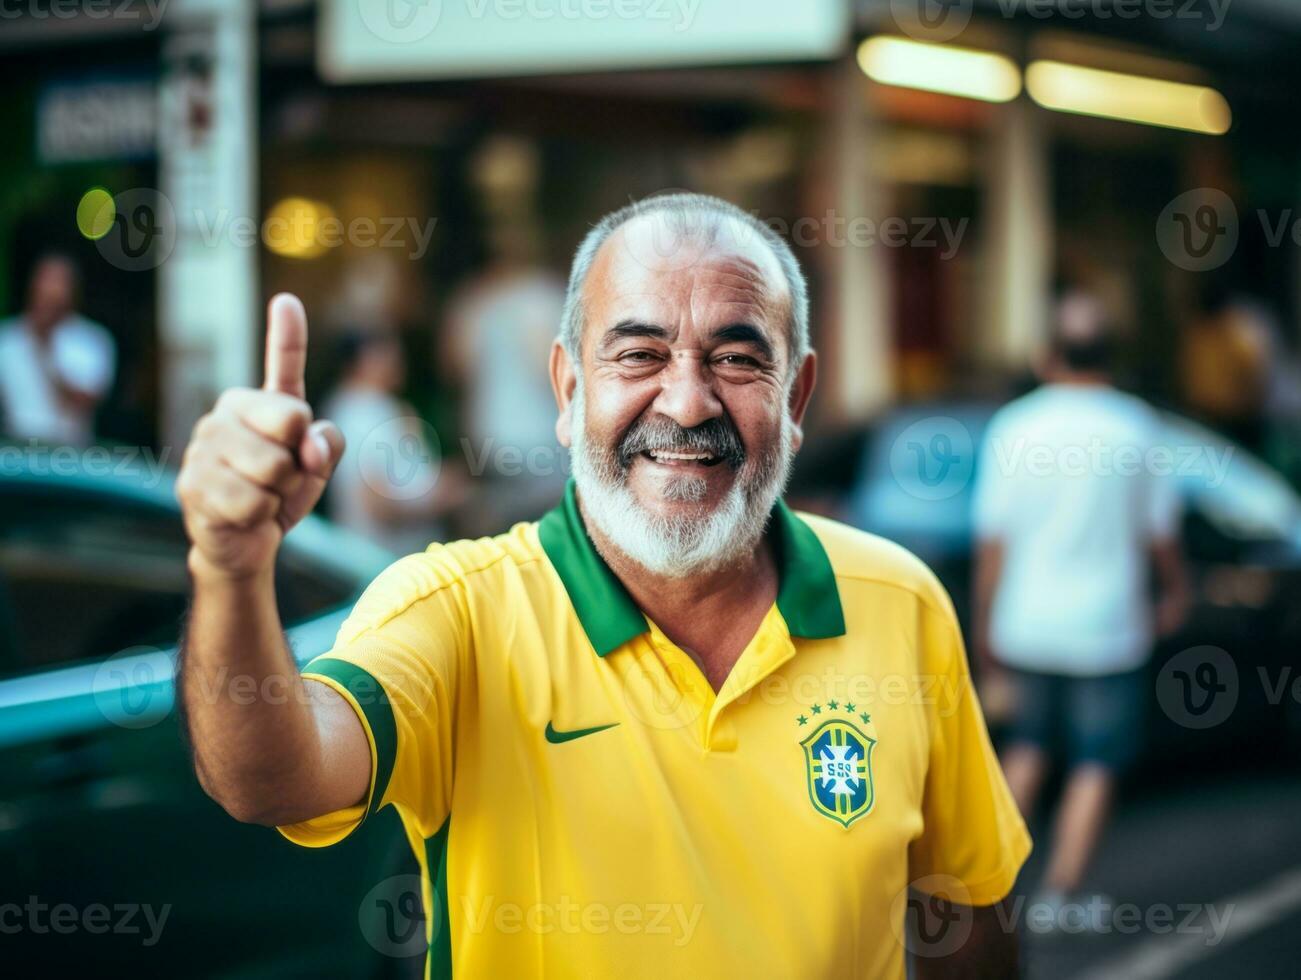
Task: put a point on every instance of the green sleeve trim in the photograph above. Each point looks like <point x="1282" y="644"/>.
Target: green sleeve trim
<point x="378" y="710"/>
<point x="439" y="964"/>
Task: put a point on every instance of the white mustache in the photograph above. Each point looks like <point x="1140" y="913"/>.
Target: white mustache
<point x="717" y="437"/>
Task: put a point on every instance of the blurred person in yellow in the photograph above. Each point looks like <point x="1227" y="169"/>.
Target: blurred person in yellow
<point x="1225" y="363"/>
<point x="672" y="729"/>
<point x="56" y="366"/>
<point x="1070" y="515"/>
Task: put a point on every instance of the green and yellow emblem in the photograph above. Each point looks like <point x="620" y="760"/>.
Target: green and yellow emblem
<point x="838" y="766"/>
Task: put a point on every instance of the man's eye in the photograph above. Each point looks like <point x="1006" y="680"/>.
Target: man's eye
<point x="637" y="356"/>
<point x="736" y="360"/>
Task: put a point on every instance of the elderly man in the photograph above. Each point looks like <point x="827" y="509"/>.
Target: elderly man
<point x="672" y="729"/>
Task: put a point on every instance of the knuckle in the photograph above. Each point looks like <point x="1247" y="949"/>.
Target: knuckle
<point x="265" y="470"/>
<point x="255" y="505"/>
<point x="258" y="509"/>
<point x="289" y="416"/>
<point x="203" y="428"/>
<point x="189" y="485"/>
<point x="281" y="467"/>
<point x="301" y="413"/>
<point x="229" y="398"/>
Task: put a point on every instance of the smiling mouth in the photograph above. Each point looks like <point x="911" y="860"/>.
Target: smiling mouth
<point x="671" y="457"/>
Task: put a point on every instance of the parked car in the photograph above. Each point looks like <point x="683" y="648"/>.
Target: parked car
<point x="99" y="806"/>
<point x="1241" y="537"/>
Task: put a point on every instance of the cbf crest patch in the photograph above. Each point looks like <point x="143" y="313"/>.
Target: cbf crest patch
<point x="838" y="767"/>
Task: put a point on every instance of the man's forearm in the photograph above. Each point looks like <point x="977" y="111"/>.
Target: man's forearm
<point x="250" y="722"/>
<point x="1174" y="594"/>
<point x="988" y="951"/>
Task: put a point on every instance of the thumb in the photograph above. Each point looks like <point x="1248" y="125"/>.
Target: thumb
<point x="319" y="452"/>
<point x="321" y="449"/>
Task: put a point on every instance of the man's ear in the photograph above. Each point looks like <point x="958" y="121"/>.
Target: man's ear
<point x="564" y="379"/>
<point x="801" y="391"/>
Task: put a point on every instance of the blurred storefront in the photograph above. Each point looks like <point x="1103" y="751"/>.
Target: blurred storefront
<point x="376" y="165"/>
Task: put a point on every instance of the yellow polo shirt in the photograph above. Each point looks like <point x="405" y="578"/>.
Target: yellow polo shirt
<point x="583" y="804"/>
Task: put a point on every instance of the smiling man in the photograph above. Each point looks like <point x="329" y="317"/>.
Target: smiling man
<point x="671" y="729"/>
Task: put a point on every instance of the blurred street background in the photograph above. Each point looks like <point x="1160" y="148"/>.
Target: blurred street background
<point x="420" y="172"/>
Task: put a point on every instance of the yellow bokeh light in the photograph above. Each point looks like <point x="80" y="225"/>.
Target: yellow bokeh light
<point x="941" y="68"/>
<point x="299" y="228"/>
<point x="1132" y="98"/>
<point x="95" y="213"/>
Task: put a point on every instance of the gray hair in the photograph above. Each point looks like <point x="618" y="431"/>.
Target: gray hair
<point x="698" y="218"/>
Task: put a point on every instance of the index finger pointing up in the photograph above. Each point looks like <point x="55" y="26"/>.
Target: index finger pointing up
<point x="286" y="345"/>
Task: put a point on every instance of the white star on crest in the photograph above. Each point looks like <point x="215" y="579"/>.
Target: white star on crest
<point x="840" y="769"/>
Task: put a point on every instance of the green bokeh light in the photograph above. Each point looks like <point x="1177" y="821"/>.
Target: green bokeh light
<point x="95" y="213"/>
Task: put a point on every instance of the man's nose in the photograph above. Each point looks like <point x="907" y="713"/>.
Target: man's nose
<point x="687" y="393"/>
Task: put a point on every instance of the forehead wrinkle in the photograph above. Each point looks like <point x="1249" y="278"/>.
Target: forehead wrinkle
<point x="748" y="273"/>
<point x="715" y="307"/>
<point x="742" y="291"/>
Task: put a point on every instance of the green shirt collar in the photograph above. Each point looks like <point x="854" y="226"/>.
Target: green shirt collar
<point x="807" y="596"/>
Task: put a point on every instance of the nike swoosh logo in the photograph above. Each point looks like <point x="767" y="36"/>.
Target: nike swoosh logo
<point x="555" y="737"/>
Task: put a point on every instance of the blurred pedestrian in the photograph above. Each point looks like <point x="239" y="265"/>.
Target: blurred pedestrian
<point x="1069" y="519"/>
<point x="56" y="366"/>
<point x="390" y="485"/>
<point x="509" y="412"/>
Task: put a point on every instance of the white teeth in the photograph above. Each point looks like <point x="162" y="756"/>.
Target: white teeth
<point x="663" y="454"/>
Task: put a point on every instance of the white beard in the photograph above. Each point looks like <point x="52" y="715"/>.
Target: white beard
<point x="677" y="547"/>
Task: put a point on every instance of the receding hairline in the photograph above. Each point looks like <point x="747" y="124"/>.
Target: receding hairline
<point x="704" y="219"/>
<point x="760" y="265"/>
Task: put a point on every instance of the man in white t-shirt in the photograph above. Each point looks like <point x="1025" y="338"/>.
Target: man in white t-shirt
<point x="55" y="366"/>
<point x="1071" y="516"/>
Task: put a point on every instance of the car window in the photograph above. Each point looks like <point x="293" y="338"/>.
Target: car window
<point x="85" y="575"/>
<point x="893" y="497"/>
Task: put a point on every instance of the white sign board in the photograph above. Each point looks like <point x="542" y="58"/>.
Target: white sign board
<point x="387" y="40"/>
<point x="101" y="119"/>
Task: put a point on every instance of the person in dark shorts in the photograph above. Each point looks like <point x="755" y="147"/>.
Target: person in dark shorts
<point x="1072" y="516"/>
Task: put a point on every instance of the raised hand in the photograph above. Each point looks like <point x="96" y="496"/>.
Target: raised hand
<point x="257" y="463"/>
